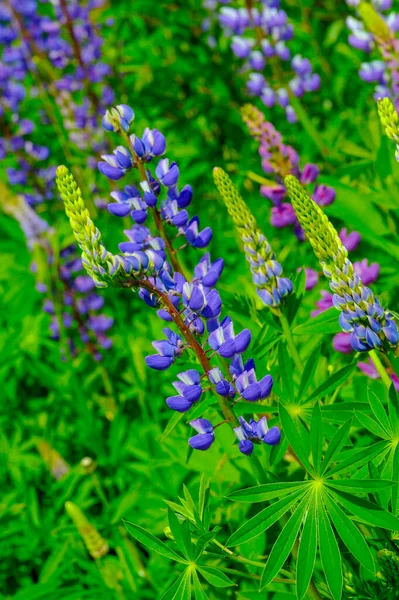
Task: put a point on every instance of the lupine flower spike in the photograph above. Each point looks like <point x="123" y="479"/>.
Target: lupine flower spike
<point x="371" y="326"/>
<point x="390" y="121"/>
<point x="95" y="544"/>
<point x="192" y="305"/>
<point x="265" y="269"/>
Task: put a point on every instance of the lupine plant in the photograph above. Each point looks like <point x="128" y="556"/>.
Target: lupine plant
<point x="195" y="403"/>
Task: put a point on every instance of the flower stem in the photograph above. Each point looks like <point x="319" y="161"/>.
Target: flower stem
<point x="290" y="342"/>
<point x="380" y="368"/>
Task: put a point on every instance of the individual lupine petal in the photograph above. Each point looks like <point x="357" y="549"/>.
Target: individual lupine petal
<point x="154" y="142"/>
<point x="109" y="171"/>
<point x="159" y="363"/>
<point x="196" y="238"/>
<point x="167" y="174"/>
<point x="208" y="273"/>
<point x="246" y="447"/>
<point x="323" y="195"/>
<point x="193" y="297"/>
<point x="213" y="305"/>
<point x="205" y="436"/>
<point x="179" y="403"/>
<point x="118" y="118"/>
<point x="367" y="273"/>
<point x="272" y="437"/>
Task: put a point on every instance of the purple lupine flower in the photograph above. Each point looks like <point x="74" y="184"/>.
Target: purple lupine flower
<point x="350" y="240"/>
<point x="223" y="387"/>
<point x="325" y="302"/>
<point x="205" y="437"/>
<point x="367" y="273"/>
<point x="323" y="195"/>
<point x="312" y="278"/>
<point x="342" y="343"/>
<point x="248" y="386"/>
<point x="369" y="369"/>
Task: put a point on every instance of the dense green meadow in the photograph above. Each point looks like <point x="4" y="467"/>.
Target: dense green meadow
<point x="101" y="495"/>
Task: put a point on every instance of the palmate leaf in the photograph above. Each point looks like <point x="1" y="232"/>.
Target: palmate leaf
<point x="333" y="382"/>
<point x="181" y="588"/>
<point x="336" y="444"/>
<point x="329" y="554"/>
<point x="265" y="518"/>
<point x="367" y="511"/>
<point x="266" y="491"/>
<point x="316" y="437"/>
<point x="379" y="412"/>
<point x="214" y="576"/>
<point x="307" y="551"/>
<point x="284" y="543"/>
<point x="357" y="459"/>
<point x="199" y="593"/>
<point x="308" y="372"/>
<point x="350" y="535"/>
<point x="298" y="438"/>
<point x="153" y="543"/>
<point x="360" y="486"/>
<point x="180" y="534"/>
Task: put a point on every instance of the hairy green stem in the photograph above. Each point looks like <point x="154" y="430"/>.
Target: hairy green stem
<point x="290" y="342"/>
<point x="380" y="368"/>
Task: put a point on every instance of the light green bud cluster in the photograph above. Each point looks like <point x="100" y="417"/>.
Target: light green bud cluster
<point x="318" y="228"/>
<point x="95" y="544"/>
<point x="103" y="267"/>
<point x="265" y="269"/>
<point x="390" y="121"/>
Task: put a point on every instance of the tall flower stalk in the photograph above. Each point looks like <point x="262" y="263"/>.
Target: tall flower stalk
<point x="150" y="265"/>
<point x="371" y="326"/>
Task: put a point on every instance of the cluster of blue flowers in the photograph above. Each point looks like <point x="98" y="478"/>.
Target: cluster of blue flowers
<point x="191" y="303"/>
<point x="59" y="46"/>
<point x="259" y="36"/>
<point x="383" y="74"/>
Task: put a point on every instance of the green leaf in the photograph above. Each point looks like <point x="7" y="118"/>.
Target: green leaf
<point x="360" y="486"/>
<point x="294" y="436"/>
<point x="358" y="458"/>
<point x="336" y="444"/>
<point x="180" y="534"/>
<point x="307" y="551"/>
<point x="329" y="554"/>
<point x="283" y="545"/>
<point x="393" y="410"/>
<point x="204" y="540"/>
<point x="203" y="495"/>
<point x="214" y="576"/>
<point x="199" y="593"/>
<point x="171" y="592"/>
<point x="308" y="372"/>
<point x="267" y="491"/>
<point x="371" y="425"/>
<point x="264" y="519"/>
<point x="367" y="511"/>
<point x="333" y="382"/>
<point x="325" y="322"/>
<point x="285" y="370"/>
<point x="316" y="437"/>
<point x="151" y="542"/>
<point x="379" y="411"/>
<point x="395" y="490"/>
<point x="350" y="535"/>
<point x="183" y="591"/>
<point x="172" y="423"/>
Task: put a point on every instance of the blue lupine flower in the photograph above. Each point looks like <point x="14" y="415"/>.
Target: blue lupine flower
<point x="256" y="431"/>
<point x="119" y="117"/>
<point x="196" y="238"/>
<point x="189" y="390"/>
<point x="225" y="342"/>
<point x="248" y="386"/>
<point x="208" y="273"/>
<point x="205" y="437"/>
<point x="168" y="174"/>
<point x="167" y="350"/>
<point x="223" y="387"/>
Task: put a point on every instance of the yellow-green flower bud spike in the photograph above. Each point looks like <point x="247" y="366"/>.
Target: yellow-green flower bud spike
<point x="389" y="562"/>
<point x="373" y="22"/>
<point x="253" y="118"/>
<point x="103" y="267"/>
<point x="95" y="544"/>
<point x="54" y="461"/>
<point x="390" y="121"/>
<point x="389" y="118"/>
<point x="265" y="269"/>
<point x="361" y="312"/>
<point x="320" y="232"/>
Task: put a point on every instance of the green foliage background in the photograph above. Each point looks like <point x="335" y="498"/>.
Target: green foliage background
<point x="114" y="412"/>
